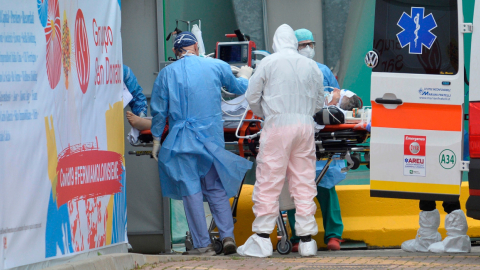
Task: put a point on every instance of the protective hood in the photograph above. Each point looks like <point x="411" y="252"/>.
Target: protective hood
<point x="284" y="39"/>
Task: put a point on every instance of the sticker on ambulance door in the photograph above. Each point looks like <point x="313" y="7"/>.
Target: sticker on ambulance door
<point x="414" y="155"/>
<point x="417" y="30"/>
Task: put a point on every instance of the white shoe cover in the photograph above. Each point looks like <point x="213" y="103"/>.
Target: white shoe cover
<point x="427" y="234"/>
<point x="306" y="249"/>
<point x="256" y="246"/>
<point x="457" y="239"/>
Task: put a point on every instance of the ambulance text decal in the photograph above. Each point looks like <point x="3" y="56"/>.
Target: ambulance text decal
<point x="414" y="163"/>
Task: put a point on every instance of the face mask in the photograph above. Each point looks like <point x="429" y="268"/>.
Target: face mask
<point x="187" y="53"/>
<point x="307" y="52"/>
<point x="328" y="97"/>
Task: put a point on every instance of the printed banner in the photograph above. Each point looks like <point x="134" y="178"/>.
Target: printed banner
<point x="62" y="167"/>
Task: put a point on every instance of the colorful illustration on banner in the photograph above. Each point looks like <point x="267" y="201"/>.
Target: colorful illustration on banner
<point x="447" y="159"/>
<point x="87" y="206"/>
<point x="42" y="6"/>
<point x="417" y="30"/>
<point x="53" y="37"/>
<point x="82" y="52"/>
<point x="414" y="152"/>
<point x="66" y="48"/>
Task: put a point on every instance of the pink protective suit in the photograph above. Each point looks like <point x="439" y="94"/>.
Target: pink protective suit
<point x="287" y="90"/>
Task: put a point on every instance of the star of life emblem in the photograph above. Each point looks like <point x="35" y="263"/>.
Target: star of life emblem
<point x="417" y="30"/>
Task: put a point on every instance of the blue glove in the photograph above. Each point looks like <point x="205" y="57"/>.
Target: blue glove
<point x="369" y="127"/>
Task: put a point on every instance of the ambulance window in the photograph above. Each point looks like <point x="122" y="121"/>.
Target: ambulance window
<point x="419" y="37"/>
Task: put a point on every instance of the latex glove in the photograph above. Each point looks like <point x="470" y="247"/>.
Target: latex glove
<point x="156" y="149"/>
<point x="245" y="72"/>
<point x="369" y="127"/>
<point x="235" y="69"/>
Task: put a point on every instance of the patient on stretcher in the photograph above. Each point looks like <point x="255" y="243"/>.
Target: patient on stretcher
<point x="344" y="99"/>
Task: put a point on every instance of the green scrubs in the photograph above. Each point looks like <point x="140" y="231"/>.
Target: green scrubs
<point x="332" y="217"/>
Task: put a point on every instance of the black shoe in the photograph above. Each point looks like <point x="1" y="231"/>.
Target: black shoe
<point x="229" y="246"/>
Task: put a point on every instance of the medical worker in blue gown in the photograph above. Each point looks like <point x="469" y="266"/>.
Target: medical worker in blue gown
<point x="192" y="161"/>
<point x="138" y="104"/>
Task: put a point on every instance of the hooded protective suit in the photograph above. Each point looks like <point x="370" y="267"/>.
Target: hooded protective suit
<point x="286" y="89"/>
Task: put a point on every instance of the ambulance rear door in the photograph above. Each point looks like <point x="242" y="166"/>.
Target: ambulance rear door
<point x="417" y="97"/>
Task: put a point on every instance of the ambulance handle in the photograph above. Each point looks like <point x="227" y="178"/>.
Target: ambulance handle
<point x="389" y="101"/>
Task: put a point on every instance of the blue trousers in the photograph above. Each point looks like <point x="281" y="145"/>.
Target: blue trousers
<point x="213" y="191"/>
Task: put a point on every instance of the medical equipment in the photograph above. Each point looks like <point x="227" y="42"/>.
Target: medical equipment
<point x="239" y="53"/>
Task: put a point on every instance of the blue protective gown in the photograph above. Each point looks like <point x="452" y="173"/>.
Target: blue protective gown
<point x="328" y="77"/>
<point x="334" y="174"/>
<point x="188" y="93"/>
<point x="139" y="102"/>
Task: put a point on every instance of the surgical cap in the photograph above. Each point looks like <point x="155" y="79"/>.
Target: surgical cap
<point x="184" y="39"/>
<point x="304" y="34"/>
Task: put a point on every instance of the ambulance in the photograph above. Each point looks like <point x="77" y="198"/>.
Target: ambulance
<point x="417" y="96"/>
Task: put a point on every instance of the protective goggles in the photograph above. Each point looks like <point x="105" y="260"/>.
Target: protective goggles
<point x="304" y="45"/>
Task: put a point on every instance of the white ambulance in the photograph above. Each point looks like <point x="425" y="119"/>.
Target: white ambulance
<point x="417" y="95"/>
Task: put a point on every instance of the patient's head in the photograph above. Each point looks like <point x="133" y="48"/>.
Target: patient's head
<point x="349" y="103"/>
<point x="336" y="94"/>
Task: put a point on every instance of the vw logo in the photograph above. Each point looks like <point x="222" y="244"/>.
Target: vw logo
<point x="371" y="59"/>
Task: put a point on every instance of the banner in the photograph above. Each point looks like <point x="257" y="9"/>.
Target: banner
<point x="62" y="168"/>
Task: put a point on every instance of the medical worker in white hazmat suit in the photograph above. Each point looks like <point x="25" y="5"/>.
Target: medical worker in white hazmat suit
<point x="286" y="90"/>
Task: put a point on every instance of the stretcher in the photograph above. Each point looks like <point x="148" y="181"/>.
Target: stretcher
<point x="343" y="141"/>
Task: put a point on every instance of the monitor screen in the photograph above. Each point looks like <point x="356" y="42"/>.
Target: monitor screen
<point x="233" y="53"/>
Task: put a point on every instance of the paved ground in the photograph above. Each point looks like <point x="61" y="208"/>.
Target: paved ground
<point x="358" y="259"/>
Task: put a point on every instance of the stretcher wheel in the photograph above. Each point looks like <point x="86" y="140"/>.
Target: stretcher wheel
<point x="286" y="249"/>
<point x="356" y="161"/>
<point x="218" y="245"/>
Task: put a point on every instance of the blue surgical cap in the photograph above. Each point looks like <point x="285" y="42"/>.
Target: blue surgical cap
<point x="184" y="39"/>
<point x="304" y="34"/>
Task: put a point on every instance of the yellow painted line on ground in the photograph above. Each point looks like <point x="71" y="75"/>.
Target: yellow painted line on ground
<point x="414" y="187"/>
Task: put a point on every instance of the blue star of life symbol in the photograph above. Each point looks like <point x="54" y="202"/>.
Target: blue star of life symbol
<point x="416" y="30"/>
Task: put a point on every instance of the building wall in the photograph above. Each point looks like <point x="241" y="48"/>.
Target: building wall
<point x="139" y="40"/>
<point x="335" y="15"/>
<point x="249" y="15"/>
<point x="297" y="14"/>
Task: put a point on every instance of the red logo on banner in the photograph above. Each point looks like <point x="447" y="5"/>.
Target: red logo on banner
<point x="82" y="53"/>
<point x="53" y="37"/>
<point x="85" y="172"/>
<point x="414" y="145"/>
